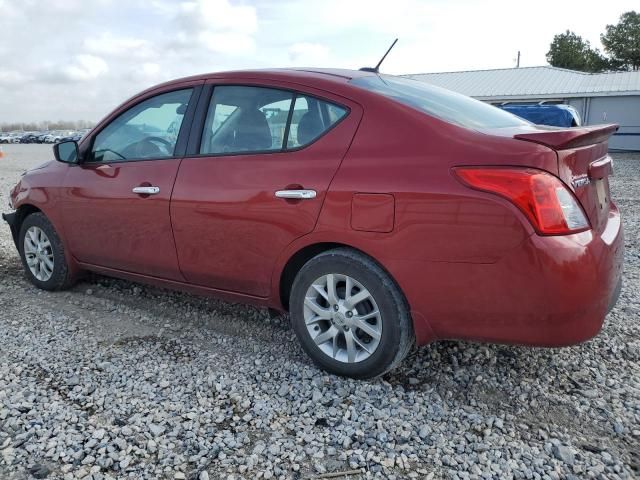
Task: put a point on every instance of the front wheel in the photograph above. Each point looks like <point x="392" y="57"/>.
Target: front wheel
<point x="349" y="315"/>
<point x="42" y="254"/>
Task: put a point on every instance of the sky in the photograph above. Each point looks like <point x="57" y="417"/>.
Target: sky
<point x="79" y="59"/>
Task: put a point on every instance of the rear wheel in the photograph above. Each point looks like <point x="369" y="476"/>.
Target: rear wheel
<point x="43" y="254"/>
<point x="349" y="315"/>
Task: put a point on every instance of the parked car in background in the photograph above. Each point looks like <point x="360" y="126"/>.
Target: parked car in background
<point x="52" y="136"/>
<point x="56" y="135"/>
<point x="380" y="212"/>
<point x="556" y="115"/>
<point x="41" y="137"/>
<point x="31" y="137"/>
<point x="74" y="137"/>
<point x="9" y="138"/>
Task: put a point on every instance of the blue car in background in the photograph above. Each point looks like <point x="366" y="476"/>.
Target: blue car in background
<point x="557" y="115"/>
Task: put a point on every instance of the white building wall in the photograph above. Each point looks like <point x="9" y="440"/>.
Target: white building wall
<point x="623" y="110"/>
<point x="579" y="104"/>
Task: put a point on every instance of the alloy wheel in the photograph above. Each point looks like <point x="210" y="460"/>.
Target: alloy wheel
<point x="342" y="318"/>
<point x="38" y="253"/>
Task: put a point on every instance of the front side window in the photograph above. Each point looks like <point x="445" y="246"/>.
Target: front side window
<point x="243" y="119"/>
<point x="439" y="102"/>
<point x="149" y="130"/>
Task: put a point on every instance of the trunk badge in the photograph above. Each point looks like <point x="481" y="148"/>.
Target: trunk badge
<point x="580" y="181"/>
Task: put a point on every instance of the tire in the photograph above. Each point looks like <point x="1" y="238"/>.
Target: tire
<point x="323" y="322"/>
<point x="55" y="277"/>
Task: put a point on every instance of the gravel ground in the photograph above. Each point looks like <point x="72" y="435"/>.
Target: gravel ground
<point x="115" y="379"/>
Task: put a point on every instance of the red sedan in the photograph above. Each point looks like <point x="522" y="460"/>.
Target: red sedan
<point x="378" y="211"/>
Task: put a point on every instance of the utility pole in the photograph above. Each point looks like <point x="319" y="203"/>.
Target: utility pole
<point x="518" y="60"/>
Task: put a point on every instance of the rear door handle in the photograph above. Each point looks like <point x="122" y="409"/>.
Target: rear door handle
<point x="296" y="194"/>
<point x="146" y="190"/>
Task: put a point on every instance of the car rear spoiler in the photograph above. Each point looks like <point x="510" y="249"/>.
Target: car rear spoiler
<point x="563" y="139"/>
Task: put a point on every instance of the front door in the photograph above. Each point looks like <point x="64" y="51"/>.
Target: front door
<point x="115" y="204"/>
<point x="256" y="182"/>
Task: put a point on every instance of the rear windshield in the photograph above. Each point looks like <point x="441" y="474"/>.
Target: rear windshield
<point x="439" y="102"/>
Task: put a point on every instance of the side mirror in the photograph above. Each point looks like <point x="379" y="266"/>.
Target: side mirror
<point x="66" y="152"/>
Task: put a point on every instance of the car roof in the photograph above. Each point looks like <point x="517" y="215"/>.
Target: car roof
<point x="319" y="77"/>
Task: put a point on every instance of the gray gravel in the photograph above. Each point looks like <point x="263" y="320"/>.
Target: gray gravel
<point x="114" y="379"/>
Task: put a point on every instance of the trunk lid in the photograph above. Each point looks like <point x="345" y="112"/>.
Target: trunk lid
<point x="583" y="164"/>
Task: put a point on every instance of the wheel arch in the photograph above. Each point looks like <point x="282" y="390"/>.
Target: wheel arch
<point x="26" y="209"/>
<point x="295" y="263"/>
<point x="22" y="212"/>
<point x="301" y="256"/>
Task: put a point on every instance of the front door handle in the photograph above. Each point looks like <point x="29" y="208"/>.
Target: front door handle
<point x="146" y="190"/>
<point x="296" y="194"/>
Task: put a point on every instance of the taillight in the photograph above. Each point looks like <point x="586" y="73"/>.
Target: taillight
<point x="549" y="205"/>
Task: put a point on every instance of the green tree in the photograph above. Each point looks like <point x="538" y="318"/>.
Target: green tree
<point x="569" y="50"/>
<point x="597" y="62"/>
<point x="622" y="41"/>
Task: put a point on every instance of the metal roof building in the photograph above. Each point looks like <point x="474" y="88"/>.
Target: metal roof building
<point x="599" y="97"/>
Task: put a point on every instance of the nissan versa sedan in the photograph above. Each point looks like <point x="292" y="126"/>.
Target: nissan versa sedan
<point x="380" y="212"/>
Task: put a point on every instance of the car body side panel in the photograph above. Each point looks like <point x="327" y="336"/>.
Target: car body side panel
<point x="372" y="212"/>
<point x="469" y="263"/>
<point x="552" y="291"/>
<point x="40" y="189"/>
<point x="442" y="228"/>
<point x="410" y="156"/>
<point x="109" y="225"/>
<point x="230" y="228"/>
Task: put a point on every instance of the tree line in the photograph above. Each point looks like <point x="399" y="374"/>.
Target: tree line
<point x="45" y="125"/>
<point x="621" y="44"/>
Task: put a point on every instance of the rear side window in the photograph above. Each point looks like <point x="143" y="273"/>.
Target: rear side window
<point x="243" y="119"/>
<point x="310" y="119"/>
<point x="439" y="102"/>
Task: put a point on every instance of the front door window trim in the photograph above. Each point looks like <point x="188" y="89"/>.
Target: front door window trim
<point x="172" y="138"/>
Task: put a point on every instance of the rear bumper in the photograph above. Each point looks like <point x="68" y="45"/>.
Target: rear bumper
<point x="551" y="291"/>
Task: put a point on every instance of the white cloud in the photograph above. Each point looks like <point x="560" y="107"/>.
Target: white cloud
<point x="228" y="43"/>
<point x="11" y="78"/>
<point x="150" y="69"/>
<point x="218" y="15"/>
<point x="8" y="10"/>
<point x="108" y="44"/>
<point x="119" y="47"/>
<point x="146" y="72"/>
<point x="68" y="6"/>
<point x="85" y="67"/>
<point x="217" y="26"/>
<point x="304" y="53"/>
<point x="397" y="18"/>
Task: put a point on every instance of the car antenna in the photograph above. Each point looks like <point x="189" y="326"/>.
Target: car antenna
<point x="376" y="69"/>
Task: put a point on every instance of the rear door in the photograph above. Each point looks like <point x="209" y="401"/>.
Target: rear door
<point x="255" y="180"/>
<point x="115" y="204"/>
